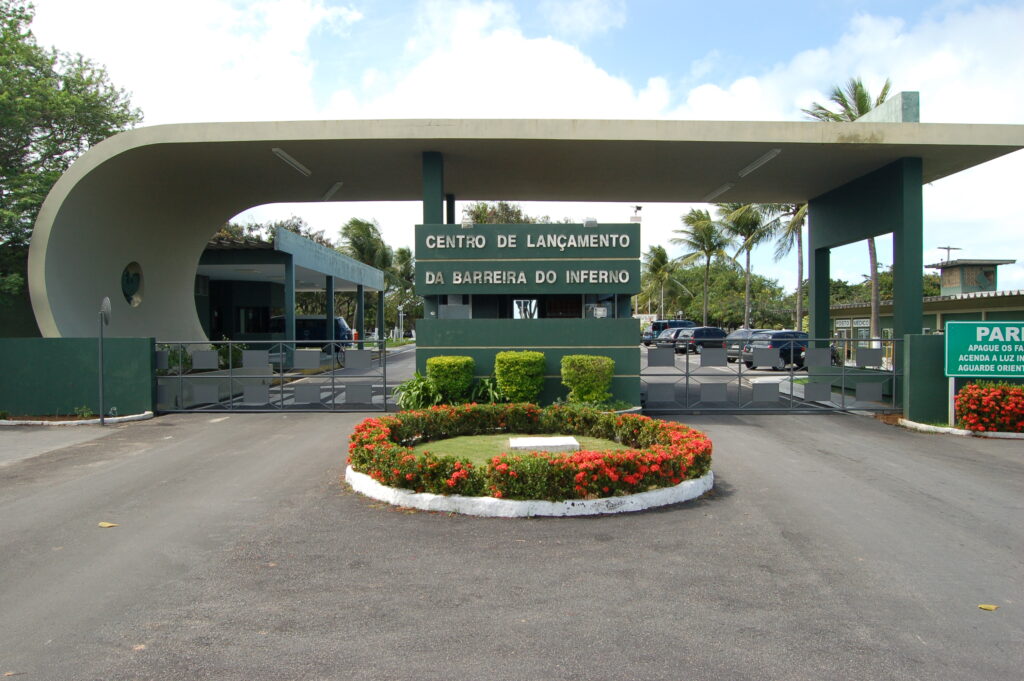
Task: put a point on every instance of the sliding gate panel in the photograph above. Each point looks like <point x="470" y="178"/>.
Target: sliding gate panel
<point x="803" y="376"/>
<point x="271" y="376"/>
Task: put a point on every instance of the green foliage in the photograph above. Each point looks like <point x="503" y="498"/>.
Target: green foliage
<point x="361" y="240"/>
<point x="520" y="374"/>
<point x="418" y="392"/>
<point x="588" y="377"/>
<point x="452" y="376"/>
<point x="53" y="106"/>
<point x="486" y="390"/>
<point x="84" y="412"/>
<point x="500" y="213"/>
<point x="235" y="349"/>
<point x="655" y="454"/>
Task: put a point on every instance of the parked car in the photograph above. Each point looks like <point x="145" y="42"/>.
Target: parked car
<point x="735" y="341"/>
<point x="667" y="338"/>
<point x="658" y="326"/>
<point x="696" y="338"/>
<point x="647" y="337"/>
<point x="791" y="346"/>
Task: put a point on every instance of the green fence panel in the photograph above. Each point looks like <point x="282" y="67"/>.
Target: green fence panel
<point x="56" y="376"/>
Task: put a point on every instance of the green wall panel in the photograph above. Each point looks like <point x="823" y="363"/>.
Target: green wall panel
<point x="51" y="376"/>
<point x="1005" y="314"/>
<point x="926" y="389"/>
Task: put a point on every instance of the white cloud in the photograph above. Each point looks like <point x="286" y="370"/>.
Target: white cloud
<point x="230" y="60"/>
<point x="207" y="60"/>
<point x="583" y="19"/>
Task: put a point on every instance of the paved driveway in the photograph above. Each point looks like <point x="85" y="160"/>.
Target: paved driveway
<point x="833" y="547"/>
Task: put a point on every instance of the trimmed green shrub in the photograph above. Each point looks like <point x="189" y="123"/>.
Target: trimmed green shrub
<point x="452" y="375"/>
<point x="588" y="377"/>
<point x="520" y="374"/>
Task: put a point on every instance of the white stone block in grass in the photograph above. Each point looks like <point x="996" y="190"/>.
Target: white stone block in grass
<point x="544" y="444"/>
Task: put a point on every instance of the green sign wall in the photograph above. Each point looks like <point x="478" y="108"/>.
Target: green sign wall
<point x="534" y="259"/>
<point x="985" y="349"/>
<point x="537" y="261"/>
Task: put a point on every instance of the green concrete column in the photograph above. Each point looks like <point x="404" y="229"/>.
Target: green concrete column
<point x="360" y="304"/>
<point x="289" y="299"/>
<point x="380" y="316"/>
<point x="908" y="253"/>
<point x="433" y="188"/>
<point x="330" y="307"/>
<point x="820" y="325"/>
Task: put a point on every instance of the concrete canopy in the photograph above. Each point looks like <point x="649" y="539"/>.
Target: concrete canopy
<point x="155" y="195"/>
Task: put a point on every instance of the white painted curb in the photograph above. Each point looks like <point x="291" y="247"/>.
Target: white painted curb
<point x="510" y="508"/>
<point x="925" y="428"/>
<point x="84" y="422"/>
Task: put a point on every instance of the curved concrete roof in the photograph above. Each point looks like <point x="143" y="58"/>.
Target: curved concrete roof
<point x="155" y="195"/>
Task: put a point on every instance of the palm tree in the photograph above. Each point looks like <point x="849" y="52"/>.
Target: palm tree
<point x="750" y="224"/>
<point x="658" y="270"/>
<point x="361" y="240"/>
<point x="703" y="238"/>
<point x="790" y="230"/>
<point x="854" y="102"/>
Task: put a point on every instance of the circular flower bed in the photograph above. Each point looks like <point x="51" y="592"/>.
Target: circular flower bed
<point x="661" y="454"/>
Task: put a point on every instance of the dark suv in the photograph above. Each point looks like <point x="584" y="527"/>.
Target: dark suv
<point x="658" y="326"/>
<point x="699" y="337"/>
<point x="790" y="345"/>
<point x="735" y="341"/>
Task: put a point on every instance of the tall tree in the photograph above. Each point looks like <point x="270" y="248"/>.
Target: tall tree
<point x="854" y="101"/>
<point x="703" y="238"/>
<point x="53" y="106"/>
<point x="751" y="224"/>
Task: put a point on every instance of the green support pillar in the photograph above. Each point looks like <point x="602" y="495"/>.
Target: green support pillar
<point x="820" y="325"/>
<point x="289" y="299"/>
<point x="360" y="305"/>
<point x="433" y="188"/>
<point x="329" y="295"/>
<point x="908" y="253"/>
<point x="885" y="201"/>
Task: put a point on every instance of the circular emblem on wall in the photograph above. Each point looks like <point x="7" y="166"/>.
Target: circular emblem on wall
<point x="131" y="284"/>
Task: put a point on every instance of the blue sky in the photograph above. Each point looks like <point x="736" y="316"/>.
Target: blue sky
<point x="224" y="60"/>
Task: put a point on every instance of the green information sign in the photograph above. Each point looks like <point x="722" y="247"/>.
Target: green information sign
<point x="985" y="349"/>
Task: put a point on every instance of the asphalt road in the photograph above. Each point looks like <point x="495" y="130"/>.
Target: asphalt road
<point x="833" y="547"/>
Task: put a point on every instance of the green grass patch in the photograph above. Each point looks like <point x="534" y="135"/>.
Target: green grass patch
<point x="482" y="448"/>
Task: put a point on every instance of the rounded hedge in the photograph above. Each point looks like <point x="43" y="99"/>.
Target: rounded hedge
<point x="452" y="375"/>
<point x="520" y="374"/>
<point x="660" y="454"/>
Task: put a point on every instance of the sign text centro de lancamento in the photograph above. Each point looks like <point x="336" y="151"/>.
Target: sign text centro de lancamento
<point x="985" y="349"/>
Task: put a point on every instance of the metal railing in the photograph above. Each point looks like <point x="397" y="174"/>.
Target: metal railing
<point x="804" y="376"/>
<point x="271" y="376"/>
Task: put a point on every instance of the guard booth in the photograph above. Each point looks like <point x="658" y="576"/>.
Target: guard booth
<point x="560" y="289"/>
